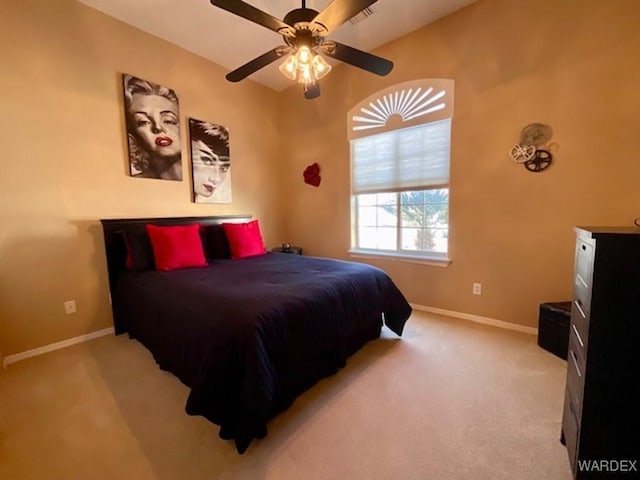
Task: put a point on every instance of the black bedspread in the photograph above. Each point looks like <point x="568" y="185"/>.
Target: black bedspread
<point x="248" y="336"/>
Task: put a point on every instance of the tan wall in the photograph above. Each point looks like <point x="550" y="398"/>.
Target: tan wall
<point x="572" y="65"/>
<point x="64" y="158"/>
<point x="565" y="63"/>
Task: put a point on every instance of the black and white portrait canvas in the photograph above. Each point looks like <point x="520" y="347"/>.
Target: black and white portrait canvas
<point x="153" y="129"/>
<point x="210" y="162"/>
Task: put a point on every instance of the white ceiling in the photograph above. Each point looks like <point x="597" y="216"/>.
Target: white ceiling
<point x="231" y="41"/>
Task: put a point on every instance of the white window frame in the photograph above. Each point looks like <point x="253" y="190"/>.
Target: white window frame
<point x="398" y="107"/>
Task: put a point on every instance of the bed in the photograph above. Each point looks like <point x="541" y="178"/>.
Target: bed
<point x="247" y="336"/>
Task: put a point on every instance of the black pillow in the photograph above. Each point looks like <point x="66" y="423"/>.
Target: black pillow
<point x="214" y="242"/>
<point x="139" y="250"/>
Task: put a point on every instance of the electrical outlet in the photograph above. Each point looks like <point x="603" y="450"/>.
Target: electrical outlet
<point x="477" y="289"/>
<point x="70" y="307"/>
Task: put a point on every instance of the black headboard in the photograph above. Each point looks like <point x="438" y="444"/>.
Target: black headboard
<point x="116" y="248"/>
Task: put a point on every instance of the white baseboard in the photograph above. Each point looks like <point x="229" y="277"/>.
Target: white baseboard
<point x="476" y="318"/>
<point x="9" y="359"/>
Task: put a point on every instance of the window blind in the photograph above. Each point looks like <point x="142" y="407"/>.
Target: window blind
<point x="405" y="159"/>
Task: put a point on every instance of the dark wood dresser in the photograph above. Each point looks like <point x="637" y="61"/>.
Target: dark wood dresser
<point x="601" y="418"/>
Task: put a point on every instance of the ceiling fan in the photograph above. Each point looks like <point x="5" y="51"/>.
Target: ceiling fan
<point x="304" y="32"/>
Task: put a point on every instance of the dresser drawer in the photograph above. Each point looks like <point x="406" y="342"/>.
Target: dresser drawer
<point x="579" y="325"/>
<point x="584" y="261"/>
<point x="582" y="294"/>
<point x="570" y="429"/>
<point x="583" y="273"/>
<point x="575" y="375"/>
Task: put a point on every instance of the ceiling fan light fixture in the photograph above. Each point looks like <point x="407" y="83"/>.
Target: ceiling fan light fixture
<point x="305" y="74"/>
<point x="304" y="55"/>
<point x="320" y="67"/>
<point x="304" y="66"/>
<point x="289" y="67"/>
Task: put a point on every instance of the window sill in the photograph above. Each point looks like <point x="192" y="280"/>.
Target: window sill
<point x="422" y="260"/>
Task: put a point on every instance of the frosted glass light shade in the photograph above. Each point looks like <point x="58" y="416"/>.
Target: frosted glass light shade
<point x="289" y="67"/>
<point x="304" y="55"/>
<point x="320" y="67"/>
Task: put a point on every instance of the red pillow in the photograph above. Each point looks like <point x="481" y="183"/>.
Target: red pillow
<point x="245" y="239"/>
<point x="176" y="246"/>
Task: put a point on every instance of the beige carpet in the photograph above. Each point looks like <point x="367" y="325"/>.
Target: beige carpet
<point x="450" y="400"/>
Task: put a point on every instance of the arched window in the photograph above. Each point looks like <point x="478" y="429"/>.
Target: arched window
<point x="400" y="149"/>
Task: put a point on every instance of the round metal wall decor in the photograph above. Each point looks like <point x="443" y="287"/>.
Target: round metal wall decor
<point x="536" y="134"/>
<point x="530" y="152"/>
<point x="540" y="161"/>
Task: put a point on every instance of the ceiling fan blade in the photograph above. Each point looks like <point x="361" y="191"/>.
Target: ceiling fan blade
<point x="358" y="58"/>
<point x="339" y="11"/>
<point x="312" y="91"/>
<point x="252" y="14"/>
<point x="255" y="64"/>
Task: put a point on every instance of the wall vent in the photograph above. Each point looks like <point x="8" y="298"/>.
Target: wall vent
<point x="363" y="15"/>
